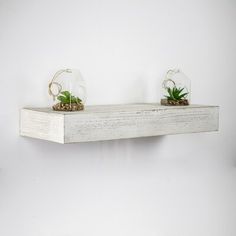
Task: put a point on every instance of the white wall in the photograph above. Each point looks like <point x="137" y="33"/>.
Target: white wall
<point x="183" y="185"/>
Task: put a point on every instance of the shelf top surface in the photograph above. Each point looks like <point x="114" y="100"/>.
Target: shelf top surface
<point x="117" y="108"/>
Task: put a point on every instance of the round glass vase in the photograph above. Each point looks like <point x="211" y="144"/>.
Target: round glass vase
<point x="68" y="91"/>
<point x="176" y="89"/>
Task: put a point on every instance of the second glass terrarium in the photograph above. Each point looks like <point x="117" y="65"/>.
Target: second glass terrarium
<point x="68" y="91"/>
<point x="176" y="89"/>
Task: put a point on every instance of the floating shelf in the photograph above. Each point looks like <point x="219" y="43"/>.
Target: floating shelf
<point x="107" y="122"/>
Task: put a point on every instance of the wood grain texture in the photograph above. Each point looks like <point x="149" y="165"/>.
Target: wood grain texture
<point x="107" y="122"/>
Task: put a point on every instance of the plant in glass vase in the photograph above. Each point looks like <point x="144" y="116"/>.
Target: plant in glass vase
<point x="67" y="88"/>
<point x="68" y="102"/>
<point x="176" y="89"/>
<point x="176" y="96"/>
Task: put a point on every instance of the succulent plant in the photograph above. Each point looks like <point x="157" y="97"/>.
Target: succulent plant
<point x="66" y="97"/>
<point x="176" y="94"/>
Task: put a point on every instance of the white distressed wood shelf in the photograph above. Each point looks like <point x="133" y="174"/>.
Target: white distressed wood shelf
<point x="107" y="122"/>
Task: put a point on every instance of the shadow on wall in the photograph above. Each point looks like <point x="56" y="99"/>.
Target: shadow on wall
<point x="136" y="148"/>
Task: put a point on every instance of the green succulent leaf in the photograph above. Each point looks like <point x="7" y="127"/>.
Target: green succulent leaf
<point x="182" y="95"/>
<point x="66" y="97"/>
<point x="168" y="98"/>
<point x="175" y="93"/>
<point x="62" y="99"/>
<point x="67" y="94"/>
<point x="180" y="90"/>
<point x="170" y="93"/>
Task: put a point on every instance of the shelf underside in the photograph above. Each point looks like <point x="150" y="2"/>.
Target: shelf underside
<point x="107" y="122"/>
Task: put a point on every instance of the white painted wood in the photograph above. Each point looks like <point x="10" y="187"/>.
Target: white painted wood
<point x="107" y="122"/>
<point x="42" y="125"/>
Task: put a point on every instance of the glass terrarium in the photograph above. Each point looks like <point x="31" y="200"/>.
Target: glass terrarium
<point x="68" y="91"/>
<point x="176" y="89"/>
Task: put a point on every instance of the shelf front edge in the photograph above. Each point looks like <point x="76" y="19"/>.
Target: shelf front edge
<point x="117" y="122"/>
